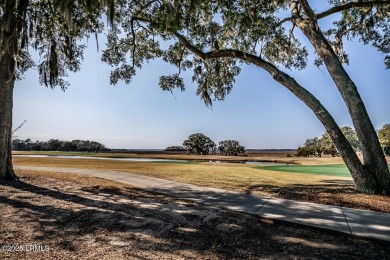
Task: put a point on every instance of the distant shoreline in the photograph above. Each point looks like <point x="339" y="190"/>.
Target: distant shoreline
<point x="251" y="155"/>
<point x="162" y="150"/>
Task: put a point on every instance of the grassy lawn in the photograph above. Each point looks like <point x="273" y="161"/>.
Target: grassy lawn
<point x="321" y="187"/>
<point x="222" y="175"/>
<point x="338" y="170"/>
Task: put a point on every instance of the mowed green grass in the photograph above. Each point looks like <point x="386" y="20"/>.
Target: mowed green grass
<point x="339" y="170"/>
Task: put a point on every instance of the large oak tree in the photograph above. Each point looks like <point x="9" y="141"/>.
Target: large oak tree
<point x="212" y="38"/>
<point x="199" y="144"/>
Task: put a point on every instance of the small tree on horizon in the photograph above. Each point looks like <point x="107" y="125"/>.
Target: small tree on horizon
<point x="199" y="144"/>
<point x="315" y="146"/>
<point x="231" y="148"/>
<point x="328" y="147"/>
<point x="176" y="148"/>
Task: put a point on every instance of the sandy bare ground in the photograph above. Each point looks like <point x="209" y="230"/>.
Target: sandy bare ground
<point x="63" y="216"/>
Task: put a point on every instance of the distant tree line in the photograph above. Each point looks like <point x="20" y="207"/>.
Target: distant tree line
<point x="175" y="149"/>
<point x="57" y="145"/>
<point x="324" y="145"/>
<point x="202" y="145"/>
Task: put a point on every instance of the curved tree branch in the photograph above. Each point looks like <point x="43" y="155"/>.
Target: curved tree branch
<point x="284" y="20"/>
<point x="342" y="144"/>
<point x="308" y="10"/>
<point x="343" y="7"/>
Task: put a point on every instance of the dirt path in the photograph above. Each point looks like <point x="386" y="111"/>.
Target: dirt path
<point x="57" y="216"/>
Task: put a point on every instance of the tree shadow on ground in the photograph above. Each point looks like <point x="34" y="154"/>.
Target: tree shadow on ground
<point x="331" y="192"/>
<point x="132" y="223"/>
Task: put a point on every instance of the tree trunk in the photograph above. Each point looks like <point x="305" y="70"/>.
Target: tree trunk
<point x="374" y="159"/>
<point x="12" y="21"/>
<point x="7" y="68"/>
<point x="362" y="179"/>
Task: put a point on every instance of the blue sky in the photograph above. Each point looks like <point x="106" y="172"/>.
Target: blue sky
<point x="259" y="112"/>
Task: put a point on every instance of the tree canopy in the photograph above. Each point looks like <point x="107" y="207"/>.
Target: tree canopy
<point x="312" y="147"/>
<point x="199" y="144"/>
<point x="231" y="148"/>
<point x="53" y="29"/>
<point x="211" y="38"/>
<point x="324" y="145"/>
<point x="175" y="149"/>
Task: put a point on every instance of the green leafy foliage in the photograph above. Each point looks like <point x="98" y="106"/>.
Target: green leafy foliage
<point x="199" y="144"/>
<point x="183" y="33"/>
<point x="53" y="28"/>
<point x="370" y="24"/>
<point x="314" y="146"/>
<point x="175" y="149"/>
<point x="172" y="30"/>
<point x="324" y="145"/>
<point x="231" y="148"/>
<point x="145" y="30"/>
<point x="384" y="138"/>
<point x="304" y="152"/>
<point x="328" y="146"/>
